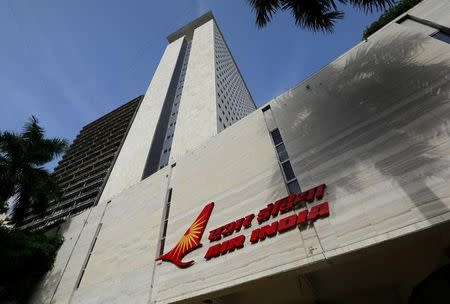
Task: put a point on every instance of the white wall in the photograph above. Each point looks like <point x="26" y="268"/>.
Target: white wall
<point x="197" y="118"/>
<point x="120" y="268"/>
<point x="372" y="125"/>
<point x="237" y="170"/>
<point x="131" y="161"/>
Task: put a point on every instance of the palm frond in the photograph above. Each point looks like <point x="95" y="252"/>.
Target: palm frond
<point x="11" y="145"/>
<point x="32" y="131"/>
<point x="370" y="5"/>
<point x="264" y="10"/>
<point x="7" y="181"/>
<point x="21" y="173"/>
<point x="46" y="191"/>
<point x="47" y="149"/>
<point x="21" y="204"/>
<point x="316" y="15"/>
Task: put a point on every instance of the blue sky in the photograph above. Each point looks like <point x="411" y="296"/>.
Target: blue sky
<point x="69" y="62"/>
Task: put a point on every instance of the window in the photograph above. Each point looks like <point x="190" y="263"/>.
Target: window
<point x="288" y="171"/>
<point x="165" y="222"/>
<point x="169" y="198"/>
<point x="276" y="136"/>
<point x="91" y="248"/>
<point x="282" y="153"/>
<point x="442" y="36"/>
<point x="294" y="187"/>
<point x="283" y="157"/>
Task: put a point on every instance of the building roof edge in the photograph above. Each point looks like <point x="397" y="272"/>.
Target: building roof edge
<point x="191" y="26"/>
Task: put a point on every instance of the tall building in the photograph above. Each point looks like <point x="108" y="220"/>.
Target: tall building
<point x="336" y="191"/>
<point x="83" y="171"/>
<point x="196" y="92"/>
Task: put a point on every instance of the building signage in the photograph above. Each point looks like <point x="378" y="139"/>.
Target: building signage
<point x="266" y="226"/>
<point x="190" y="240"/>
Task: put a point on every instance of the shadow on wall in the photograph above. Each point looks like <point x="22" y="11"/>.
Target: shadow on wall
<point x="378" y="115"/>
<point x="385" y="106"/>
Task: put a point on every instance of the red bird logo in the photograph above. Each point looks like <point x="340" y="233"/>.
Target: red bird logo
<point x="190" y="240"/>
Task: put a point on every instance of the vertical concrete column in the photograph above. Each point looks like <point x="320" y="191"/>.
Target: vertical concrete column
<point x="197" y="117"/>
<point x="131" y="161"/>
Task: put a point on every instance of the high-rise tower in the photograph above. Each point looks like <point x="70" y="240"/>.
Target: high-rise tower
<point x="196" y="92"/>
<point x="83" y="171"/>
<point x="226" y="221"/>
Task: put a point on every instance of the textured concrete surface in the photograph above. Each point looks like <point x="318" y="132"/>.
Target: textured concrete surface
<point x="131" y="161"/>
<point x="372" y="125"/>
<point x="197" y="118"/>
<point x="120" y="268"/>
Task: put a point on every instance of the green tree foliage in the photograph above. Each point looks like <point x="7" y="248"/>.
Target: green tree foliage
<point x="22" y="173"/>
<point x="316" y="15"/>
<point x="24" y="258"/>
<point x="389" y="15"/>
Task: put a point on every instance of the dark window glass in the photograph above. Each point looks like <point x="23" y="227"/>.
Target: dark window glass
<point x="276" y="136"/>
<point x="294" y="187"/>
<point x="161" y="247"/>
<point x="288" y="172"/>
<point x="442" y="36"/>
<point x="169" y="197"/>
<point x="165" y="229"/>
<point x="282" y="153"/>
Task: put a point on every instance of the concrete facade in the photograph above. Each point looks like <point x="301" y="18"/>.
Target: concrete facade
<point x="84" y="169"/>
<point x="130" y="164"/>
<point x="372" y="125"/>
<point x="198" y="102"/>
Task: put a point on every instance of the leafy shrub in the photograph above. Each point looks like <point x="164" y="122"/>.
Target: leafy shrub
<point x="389" y="15"/>
<point x="24" y="258"/>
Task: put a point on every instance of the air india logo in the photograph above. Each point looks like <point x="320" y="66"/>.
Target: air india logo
<point x="286" y="214"/>
<point x="190" y="241"/>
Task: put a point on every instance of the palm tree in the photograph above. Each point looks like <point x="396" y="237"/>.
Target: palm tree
<point x="316" y="15"/>
<point x="22" y="175"/>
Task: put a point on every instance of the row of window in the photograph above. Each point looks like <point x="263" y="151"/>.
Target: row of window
<point x="234" y="101"/>
<point x="167" y="146"/>
<point x="283" y="158"/>
<point x="165" y="222"/>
